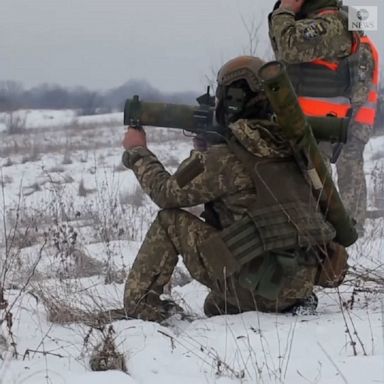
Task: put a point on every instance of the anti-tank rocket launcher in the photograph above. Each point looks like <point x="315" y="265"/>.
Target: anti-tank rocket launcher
<point x="296" y="128"/>
<point x="199" y="119"/>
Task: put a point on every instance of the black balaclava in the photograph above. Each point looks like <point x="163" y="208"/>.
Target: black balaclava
<point x="248" y="105"/>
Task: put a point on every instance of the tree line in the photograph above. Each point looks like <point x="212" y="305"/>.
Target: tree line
<point x="14" y="96"/>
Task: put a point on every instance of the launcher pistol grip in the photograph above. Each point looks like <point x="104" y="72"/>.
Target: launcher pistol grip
<point x="132" y="112"/>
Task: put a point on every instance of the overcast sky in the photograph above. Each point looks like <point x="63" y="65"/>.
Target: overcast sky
<point x="100" y="44"/>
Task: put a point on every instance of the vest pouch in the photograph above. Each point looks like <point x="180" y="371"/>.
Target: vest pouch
<point x="274" y="228"/>
<point x="268" y="280"/>
<point x="269" y="229"/>
<point x="225" y="252"/>
<point x="334" y="266"/>
<point x="316" y="80"/>
<point x="218" y="258"/>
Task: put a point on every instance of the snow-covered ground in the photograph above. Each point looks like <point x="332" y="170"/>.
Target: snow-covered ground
<point x="73" y="221"/>
<point x="35" y="119"/>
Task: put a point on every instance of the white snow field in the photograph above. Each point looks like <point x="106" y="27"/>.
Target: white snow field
<point x="72" y="221"/>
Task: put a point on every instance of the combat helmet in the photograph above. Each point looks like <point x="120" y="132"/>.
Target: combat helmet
<point x="239" y="91"/>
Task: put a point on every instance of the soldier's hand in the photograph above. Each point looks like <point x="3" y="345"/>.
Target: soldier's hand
<point x="293" y="5"/>
<point x="134" y="138"/>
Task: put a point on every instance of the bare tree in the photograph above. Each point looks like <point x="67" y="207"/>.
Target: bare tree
<point x="15" y="121"/>
<point x="254" y="27"/>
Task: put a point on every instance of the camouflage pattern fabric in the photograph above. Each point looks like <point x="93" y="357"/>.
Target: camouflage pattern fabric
<point x="235" y="299"/>
<point x="350" y="175"/>
<point x="351" y="179"/>
<point x="262" y="140"/>
<point x="363" y="83"/>
<point x="350" y="165"/>
<point x="173" y="232"/>
<point x="301" y="41"/>
<point x="224" y="182"/>
<point x="177" y="232"/>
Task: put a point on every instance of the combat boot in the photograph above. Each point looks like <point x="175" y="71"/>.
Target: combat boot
<point x="215" y="305"/>
<point x="305" y="306"/>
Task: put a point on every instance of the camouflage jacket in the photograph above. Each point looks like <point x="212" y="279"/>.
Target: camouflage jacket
<point x="215" y="176"/>
<point x="360" y="92"/>
<point x="318" y="37"/>
<point x="323" y="37"/>
<point x="365" y="71"/>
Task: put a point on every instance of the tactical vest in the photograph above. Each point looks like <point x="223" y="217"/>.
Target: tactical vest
<point x="283" y="224"/>
<point x="321" y="78"/>
<point x="324" y="87"/>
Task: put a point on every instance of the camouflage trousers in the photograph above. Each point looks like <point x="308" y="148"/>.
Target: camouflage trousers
<point x="350" y="172"/>
<point x="177" y="232"/>
<point x="351" y="179"/>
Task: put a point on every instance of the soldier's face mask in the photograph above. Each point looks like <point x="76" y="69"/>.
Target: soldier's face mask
<point x="234" y="101"/>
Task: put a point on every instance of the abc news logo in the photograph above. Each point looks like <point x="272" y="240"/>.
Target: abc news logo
<point x="362" y="18"/>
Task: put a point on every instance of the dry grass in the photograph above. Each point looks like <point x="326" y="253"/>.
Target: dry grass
<point x="105" y="355"/>
<point x="83" y="191"/>
<point x="60" y="312"/>
<point x="15" y="122"/>
<point x="34" y="154"/>
<point x="378" y="186"/>
<point x="67" y="159"/>
<point x="31" y="144"/>
<point x="135" y="198"/>
<point x="8" y="162"/>
<point x="5" y="180"/>
<point x="72" y="302"/>
<point x="56" y="169"/>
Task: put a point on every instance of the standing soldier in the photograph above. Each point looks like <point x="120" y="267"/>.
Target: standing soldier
<point x="335" y="72"/>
